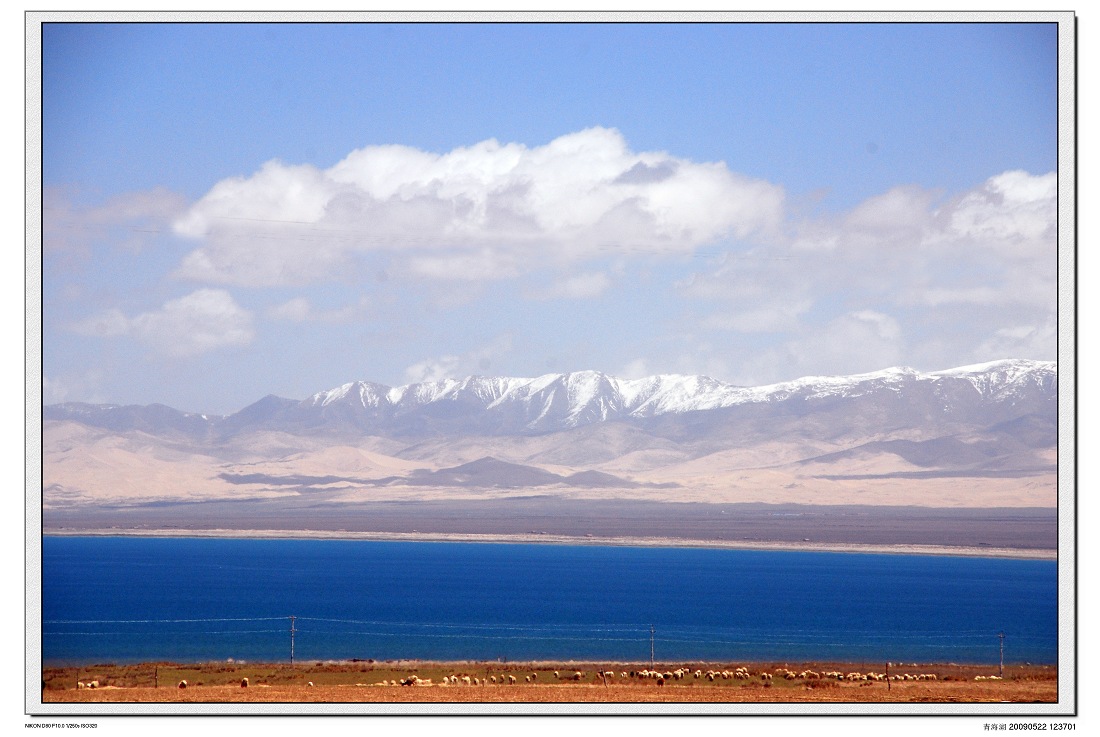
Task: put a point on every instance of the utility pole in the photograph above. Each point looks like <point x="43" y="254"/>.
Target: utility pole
<point x="651" y="646"/>
<point x="292" y="631"/>
<point x="1001" y="669"/>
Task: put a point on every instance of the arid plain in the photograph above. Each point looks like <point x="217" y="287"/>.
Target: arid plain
<point x="488" y="683"/>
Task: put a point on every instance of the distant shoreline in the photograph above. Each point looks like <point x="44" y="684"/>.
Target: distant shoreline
<point x="547" y="539"/>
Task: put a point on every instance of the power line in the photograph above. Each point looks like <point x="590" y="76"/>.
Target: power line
<point x="159" y="621"/>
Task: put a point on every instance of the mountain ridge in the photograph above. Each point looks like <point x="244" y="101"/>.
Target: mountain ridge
<point x="557" y="402"/>
<point x="981" y="435"/>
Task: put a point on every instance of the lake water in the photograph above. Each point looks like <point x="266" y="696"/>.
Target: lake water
<point x="143" y="599"/>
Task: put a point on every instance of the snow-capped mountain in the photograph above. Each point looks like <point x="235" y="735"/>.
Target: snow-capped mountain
<point x="563" y="401"/>
<point x="983" y="435"/>
<point x="980" y="394"/>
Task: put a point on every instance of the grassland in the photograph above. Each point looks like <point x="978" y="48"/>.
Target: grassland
<point x="377" y="682"/>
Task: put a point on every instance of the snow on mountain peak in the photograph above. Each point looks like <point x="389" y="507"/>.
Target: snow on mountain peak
<point x="578" y="398"/>
<point x="554" y="402"/>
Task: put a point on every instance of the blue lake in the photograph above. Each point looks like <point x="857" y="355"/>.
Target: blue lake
<point x="143" y="599"/>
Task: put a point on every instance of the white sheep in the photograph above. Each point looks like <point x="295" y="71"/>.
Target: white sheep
<point x="244" y="683"/>
<point x="182" y="684"/>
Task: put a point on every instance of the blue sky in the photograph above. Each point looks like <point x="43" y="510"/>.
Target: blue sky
<point x="236" y="210"/>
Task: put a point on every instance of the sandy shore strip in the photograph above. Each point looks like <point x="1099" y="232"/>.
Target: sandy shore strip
<point x="652" y="542"/>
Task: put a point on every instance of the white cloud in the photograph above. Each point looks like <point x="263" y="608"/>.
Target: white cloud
<point x="131" y="220"/>
<point x="902" y="211"/>
<point x="297" y="309"/>
<point x="204" y="320"/>
<point x="938" y="296"/>
<point x="773" y="316"/>
<point x="276" y="192"/>
<point x="450" y="366"/>
<point x="587" y="285"/>
<point x="954" y="273"/>
<point x="54" y="391"/>
<point x="105" y="324"/>
<point x="80" y="385"/>
<point x="854" y="342"/>
<point x="487" y="211"/>
<point x="636" y="369"/>
<point x="1011" y="208"/>
<point x="483" y="265"/>
<point x="300" y="310"/>
<point x="1037" y="340"/>
<point x="434" y="369"/>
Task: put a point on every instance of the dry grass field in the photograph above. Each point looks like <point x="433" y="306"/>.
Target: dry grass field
<point x="364" y="682"/>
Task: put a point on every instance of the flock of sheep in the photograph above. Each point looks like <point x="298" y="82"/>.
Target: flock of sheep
<point x="660" y="676"/>
<point x="809" y="675"/>
<point x="457" y="680"/>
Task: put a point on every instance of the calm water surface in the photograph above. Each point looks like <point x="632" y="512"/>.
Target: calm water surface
<point x="140" y="599"/>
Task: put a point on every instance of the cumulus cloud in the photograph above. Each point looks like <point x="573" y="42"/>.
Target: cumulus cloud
<point x="487" y="211"/>
<point x="482" y="265"/>
<point x="458" y="366"/>
<point x="1036" y="340"/>
<point x="130" y="220"/>
<point x="854" y="342"/>
<point x="1010" y="215"/>
<point x="83" y="385"/>
<point x="636" y="369"/>
<point x="760" y="317"/>
<point x="435" y="369"/>
<point x="300" y="310"/>
<point x="104" y="324"/>
<point x="902" y="212"/>
<point x="909" y="253"/>
<point x="204" y="320"/>
<point x="54" y="390"/>
<point x="587" y="285"/>
<point x="1011" y="209"/>
<point x="297" y="309"/>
